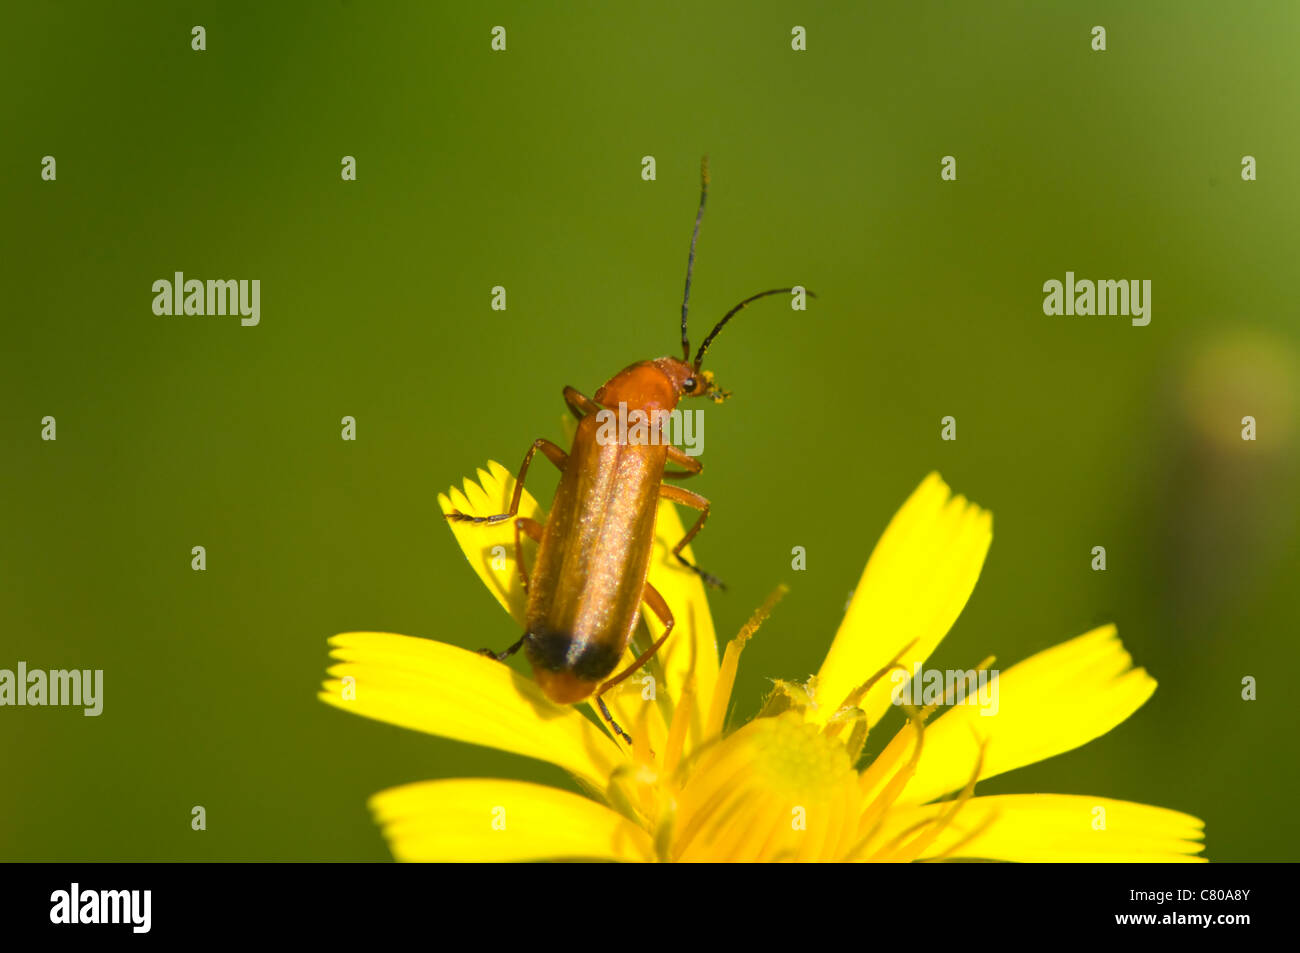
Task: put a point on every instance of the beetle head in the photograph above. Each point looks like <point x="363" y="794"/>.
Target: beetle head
<point x="689" y="381"/>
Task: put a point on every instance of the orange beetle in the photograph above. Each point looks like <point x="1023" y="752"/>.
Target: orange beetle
<point x="586" y="589"/>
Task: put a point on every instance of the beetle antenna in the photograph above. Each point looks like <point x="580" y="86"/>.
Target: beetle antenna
<point x="690" y="260"/>
<point x="699" y="355"/>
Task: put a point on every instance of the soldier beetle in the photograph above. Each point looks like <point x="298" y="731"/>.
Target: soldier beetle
<point x="590" y="577"/>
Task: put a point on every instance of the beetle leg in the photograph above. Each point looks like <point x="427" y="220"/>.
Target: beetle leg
<point x="534" y="531"/>
<point x="553" y="453"/>
<point x="694" y="500"/>
<point x="651" y="596"/>
<point x="579" y="403"/>
<point x="692" y="465"/>
<point x="502" y="656"/>
<point x="604" y="712"/>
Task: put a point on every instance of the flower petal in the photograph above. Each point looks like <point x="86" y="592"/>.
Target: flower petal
<point x="483" y="819"/>
<point x="1037" y="828"/>
<point x="1050" y="703"/>
<point x="914" y="586"/>
<point x="490" y="548"/>
<point x="447" y="691"/>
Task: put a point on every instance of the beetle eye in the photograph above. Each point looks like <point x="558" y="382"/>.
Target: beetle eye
<point x="688" y="384"/>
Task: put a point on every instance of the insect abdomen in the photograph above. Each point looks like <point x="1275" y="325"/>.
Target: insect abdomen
<point x="585" y="587"/>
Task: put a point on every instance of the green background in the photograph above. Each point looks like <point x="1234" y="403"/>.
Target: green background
<point x="523" y="169"/>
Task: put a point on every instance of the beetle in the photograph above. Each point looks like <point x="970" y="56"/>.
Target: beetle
<point x="590" y="576"/>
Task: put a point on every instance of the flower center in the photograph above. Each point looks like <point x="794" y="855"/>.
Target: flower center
<point x="776" y="789"/>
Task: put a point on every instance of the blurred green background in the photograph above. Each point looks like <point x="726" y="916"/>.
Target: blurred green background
<point x="523" y="169"/>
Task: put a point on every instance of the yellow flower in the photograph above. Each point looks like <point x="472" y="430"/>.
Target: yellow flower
<point x="786" y="785"/>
